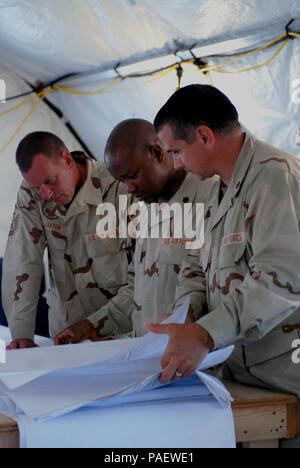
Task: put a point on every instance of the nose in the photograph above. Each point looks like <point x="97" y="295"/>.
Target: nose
<point x="130" y="186"/>
<point x="46" y="192"/>
<point x="178" y="163"/>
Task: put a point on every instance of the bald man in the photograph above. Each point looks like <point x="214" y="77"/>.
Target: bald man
<point x="135" y="156"/>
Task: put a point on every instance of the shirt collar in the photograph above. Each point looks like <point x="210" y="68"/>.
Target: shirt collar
<point x="242" y="165"/>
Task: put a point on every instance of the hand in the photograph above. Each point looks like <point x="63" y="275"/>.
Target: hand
<point x="76" y="333"/>
<point x="21" y="344"/>
<point x="188" y="346"/>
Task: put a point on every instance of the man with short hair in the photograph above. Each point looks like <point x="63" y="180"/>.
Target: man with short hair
<point x="56" y="209"/>
<point x="247" y="273"/>
<point x="134" y="155"/>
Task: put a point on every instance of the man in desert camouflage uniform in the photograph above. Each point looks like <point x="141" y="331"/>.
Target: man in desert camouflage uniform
<point x="247" y="274"/>
<point x="56" y="208"/>
<point x="134" y="155"/>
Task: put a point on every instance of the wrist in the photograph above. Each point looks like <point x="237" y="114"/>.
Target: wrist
<point x="205" y="337"/>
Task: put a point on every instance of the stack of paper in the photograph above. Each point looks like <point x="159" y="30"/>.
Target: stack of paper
<point x="43" y="383"/>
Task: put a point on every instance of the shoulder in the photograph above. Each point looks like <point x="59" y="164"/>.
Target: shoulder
<point x="103" y="180"/>
<point x="275" y="175"/>
<point x="270" y="161"/>
<point x="26" y="196"/>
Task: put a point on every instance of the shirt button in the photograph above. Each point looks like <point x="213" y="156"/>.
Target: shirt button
<point x="185" y="200"/>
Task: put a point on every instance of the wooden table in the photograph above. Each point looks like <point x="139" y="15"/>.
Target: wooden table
<point x="261" y="418"/>
<point x="9" y="433"/>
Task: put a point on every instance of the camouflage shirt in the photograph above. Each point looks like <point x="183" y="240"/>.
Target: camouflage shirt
<point x="85" y="271"/>
<point x="153" y="274"/>
<point x="247" y="275"/>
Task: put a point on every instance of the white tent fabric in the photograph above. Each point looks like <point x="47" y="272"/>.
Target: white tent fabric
<point x="42" y="40"/>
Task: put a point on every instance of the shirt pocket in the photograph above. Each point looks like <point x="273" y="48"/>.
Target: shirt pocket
<point x="110" y="262"/>
<point x="273" y="345"/>
<point x="232" y="255"/>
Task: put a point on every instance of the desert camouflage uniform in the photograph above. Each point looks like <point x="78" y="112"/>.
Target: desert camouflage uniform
<point x="85" y="271"/>
<point x="153" y="274"/>
<point x="248" y="275"/>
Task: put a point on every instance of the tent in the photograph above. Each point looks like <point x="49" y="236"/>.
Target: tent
<point x="78" y="67"/>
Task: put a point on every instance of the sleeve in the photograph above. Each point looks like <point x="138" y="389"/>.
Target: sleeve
<point x="270" y="291"/>
<point x="23" y="266"/>
<point x="115" y="317"/>
<point x="192" y="282"/>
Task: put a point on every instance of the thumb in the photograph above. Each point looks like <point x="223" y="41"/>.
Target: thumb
<point x="157" y="328"/>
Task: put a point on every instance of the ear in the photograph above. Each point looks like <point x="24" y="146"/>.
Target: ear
<point x="206" y="136"/>
<point x="67" y="159"/>
<point x="156" y="153"/>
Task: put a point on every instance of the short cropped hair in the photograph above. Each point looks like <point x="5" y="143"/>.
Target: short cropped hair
<point x="38" y="143"/>
<point x="196" y="105"/>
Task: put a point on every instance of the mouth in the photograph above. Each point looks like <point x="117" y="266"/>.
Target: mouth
<point x="60" y="199"/>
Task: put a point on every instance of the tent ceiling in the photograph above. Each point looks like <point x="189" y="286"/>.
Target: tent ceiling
<point x="44" y="39"/>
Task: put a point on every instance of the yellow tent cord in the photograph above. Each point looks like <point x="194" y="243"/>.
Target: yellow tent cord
<point x="255" y="67"/>
<point x="246" y="54"/>
<point x="170" y="70"/>
<point x="152" y="80"/>
<point x="207" y="68"/>
<point x="41" y="96"/>
<point x="111" y="83"/>
<point x="32" y="98"/>
<point x="86" y="93"/>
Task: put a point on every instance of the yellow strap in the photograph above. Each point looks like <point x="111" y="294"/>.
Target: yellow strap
<point x="41" y="96"/>
<point x="255" y="67"/>
<point x="32" y="98"/>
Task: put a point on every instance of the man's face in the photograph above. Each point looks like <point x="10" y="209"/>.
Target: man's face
<point x="193" y="157"/>
<point x="143" y="176"/>
<point x="52" y="182"/>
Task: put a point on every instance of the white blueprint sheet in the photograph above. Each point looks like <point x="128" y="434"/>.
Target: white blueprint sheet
<point x="108" y="379"/>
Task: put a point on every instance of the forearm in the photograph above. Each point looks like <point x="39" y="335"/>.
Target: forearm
<point x="23" y="267"/>
<point x="255" y="308"/>
<point x="115" y="317"/>
<point x="192" y="283"/>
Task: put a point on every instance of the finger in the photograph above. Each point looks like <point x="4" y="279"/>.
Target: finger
<point x="59" y="339"/>
<point x="13" y="345"/>
<point x="169" y="371"/>
<point x="157" y="328"/>
<point x="64" y="337"/>
<point x="185" y="369"/>
<point x="189" y="371"/>
<point x="95" y="337"/>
